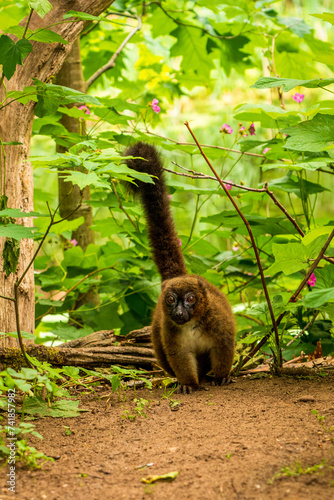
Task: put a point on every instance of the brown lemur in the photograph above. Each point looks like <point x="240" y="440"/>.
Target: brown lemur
<point x="193" y="328"/>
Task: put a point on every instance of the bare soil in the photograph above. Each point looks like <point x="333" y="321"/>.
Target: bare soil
<point x="226" y="443"/>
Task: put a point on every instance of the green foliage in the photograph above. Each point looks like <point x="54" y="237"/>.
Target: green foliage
<point x="199" y="60"/>
<point x="298" y="470"/>
<point x="12" y="53"/>
<point x="26" y="455"/>
<point x="42" y="7"/>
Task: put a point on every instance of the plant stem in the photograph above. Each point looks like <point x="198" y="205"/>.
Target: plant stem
<point x="292" y="299"/>
<point x="17" y="317"/>
<point x="279" y="360"/>
<point x="120" y="204"/>
<point x="3" y="177"/>
<point x="28" y="21"/>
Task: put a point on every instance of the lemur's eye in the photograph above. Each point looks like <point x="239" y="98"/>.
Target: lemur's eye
<point x="191" y="299"/>
<point x="170" y="299"/>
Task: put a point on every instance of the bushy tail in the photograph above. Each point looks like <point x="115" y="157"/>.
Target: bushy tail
<point x="161" y="230"/>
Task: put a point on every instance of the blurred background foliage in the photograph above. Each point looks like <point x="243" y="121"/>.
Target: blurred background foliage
<point x="200" y="60"/>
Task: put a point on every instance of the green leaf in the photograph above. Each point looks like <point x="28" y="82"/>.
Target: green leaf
<point x="40" y="35"/>
<point x="50" y="97"/>
<point x="24" y="335"/>
<point x="122" y="171"/>
<point x="325" y="16"/>
<point x="287" y="84"/>
<point x="191" y="45"/>
<point x="296" y="25"/>
<point x="324" y="57"/>
<point x="11" y="254"/>
<point x="16" y="212"/>
<point x="16" y="231"/>
<point x="66" y="332"/>
<point x="289" y="258"/>
<point x="164" y="477"/>
<point x="37" y="406"/>
<point x="312" y="135"/>
<point x="85" y="16"/>
<point x="290" y="184"/>
<point x="315" y="233"/>
<point x="312" y="165"/>
<point x="22" y="385"/>
<point x="42" y="7"/>
<point x="12" y="53"/>
<point x="269" y="116"/>
<point x="46" y="36"/>
<point x="83" y="180"/>
<point x="317" y="298"/>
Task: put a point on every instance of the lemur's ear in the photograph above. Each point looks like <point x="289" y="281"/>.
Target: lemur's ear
<point x="202" y="285"/>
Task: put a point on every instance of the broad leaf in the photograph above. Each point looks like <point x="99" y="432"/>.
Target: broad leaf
<point x="12" y="53"/>
<point x="312" y="135"/>
<point x="269" y="116"/>
<point x="317" y="298"/>
<point x="289" y="258"/>
<point x="16" y="231"/>
<point x="191" y="45"/>
<point x="42" y="7"/>
<point x="325" y="16"/>
<point x="287" y="84"/>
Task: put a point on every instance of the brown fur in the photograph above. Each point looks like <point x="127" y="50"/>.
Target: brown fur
<point x="205" y="342"/>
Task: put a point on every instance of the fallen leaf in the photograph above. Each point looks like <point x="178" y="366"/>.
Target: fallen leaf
<point x="165" y="477"/>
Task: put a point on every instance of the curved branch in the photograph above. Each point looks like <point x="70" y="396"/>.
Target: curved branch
<point x="111" y="63"/>
<point x="245" y="221"/>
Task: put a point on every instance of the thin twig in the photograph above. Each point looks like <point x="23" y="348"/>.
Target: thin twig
<point x="245" y="221"/>
<point x="265" y="189"/>
<point x="18" y="328"/>
<point x="111" y="63"/>
<point x="286" y="213"/>
<point x="3" y="174"/>
<point x="198" y="175"/>
<point x="205" y="145"/>
<point x="188" y="25"/>
<point x="7" y="298"/>
<point x="251" y="318"/>
<point x="120" y="204"/>
<point x="27" y="25"/>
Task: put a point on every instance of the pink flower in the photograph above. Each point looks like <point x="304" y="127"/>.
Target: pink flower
<point x="228" y="186"/>
<point x="170" y="196"/>
<point x="241" y="131"/>
<point x="226" y="129"/>
<point x="180" y="242"/>
<point x="84" y="108"/>
<point x="252" y="129"/>
<point x="235" y="247"/>
<point x="155" y="106"/>
<point x="312" y="280"/>
<point x="298" y="97"/>
<point x="74" y="242"/>
<point x="266" y="150"/>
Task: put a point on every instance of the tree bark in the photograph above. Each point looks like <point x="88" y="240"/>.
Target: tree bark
<point x="15" y="124"/>
<point x="86" y="357"/>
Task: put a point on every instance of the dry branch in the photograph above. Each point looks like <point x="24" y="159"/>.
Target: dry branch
<point x="96" y="349"/>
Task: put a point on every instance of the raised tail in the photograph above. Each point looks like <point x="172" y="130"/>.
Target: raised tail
<point x="161" y="230"/>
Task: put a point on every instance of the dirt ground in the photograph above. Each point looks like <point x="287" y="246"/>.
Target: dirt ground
<point x="225" y="443"/>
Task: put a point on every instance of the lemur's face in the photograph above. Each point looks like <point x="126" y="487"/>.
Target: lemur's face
<point x="180" y="306"/>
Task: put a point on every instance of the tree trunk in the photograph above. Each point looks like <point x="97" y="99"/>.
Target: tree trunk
<point x="15" y="125"/>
